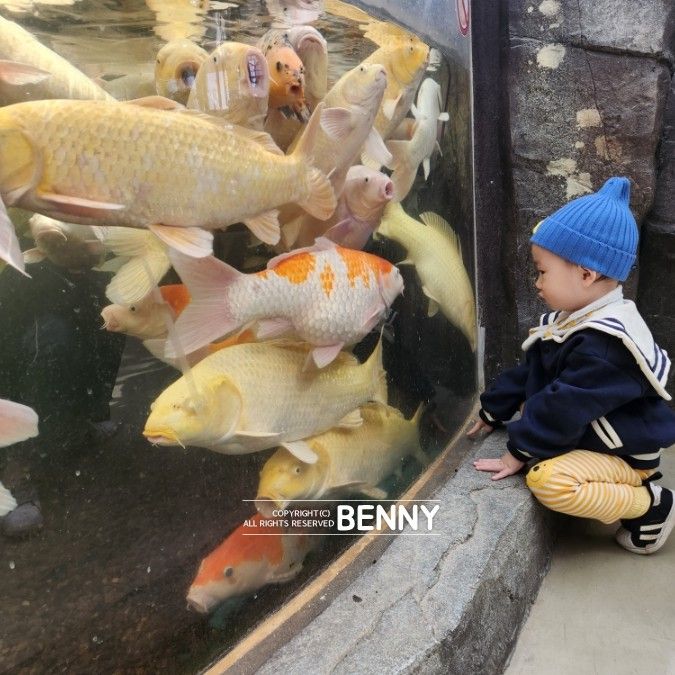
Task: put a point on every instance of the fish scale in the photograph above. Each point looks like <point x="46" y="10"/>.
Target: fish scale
<point x="162" y="167"/>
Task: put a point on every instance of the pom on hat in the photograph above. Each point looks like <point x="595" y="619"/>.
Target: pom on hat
<point x="596" y="231"/>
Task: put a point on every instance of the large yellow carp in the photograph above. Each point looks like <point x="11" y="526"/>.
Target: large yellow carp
<point x="108" y="163"/>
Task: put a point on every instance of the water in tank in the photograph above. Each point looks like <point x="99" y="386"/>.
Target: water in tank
<point x="237" y="245"/>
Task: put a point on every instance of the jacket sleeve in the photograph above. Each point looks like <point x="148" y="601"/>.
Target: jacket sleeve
<point x="500" y="402"/>
<point x="555" y="418"/>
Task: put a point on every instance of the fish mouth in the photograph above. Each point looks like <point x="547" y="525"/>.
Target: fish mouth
<point x="268" y="505"/>
<point x="256" y="73"/>
<point x="186" y="73"/>
<point x="162" y="437"/>
<point x="388" y="190"/>
<point x="199" y="601"/>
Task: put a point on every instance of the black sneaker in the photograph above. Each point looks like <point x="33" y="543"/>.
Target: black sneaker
<point x="648" y="533"/>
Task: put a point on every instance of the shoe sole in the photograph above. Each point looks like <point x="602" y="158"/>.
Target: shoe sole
<point x="622" y="537"/>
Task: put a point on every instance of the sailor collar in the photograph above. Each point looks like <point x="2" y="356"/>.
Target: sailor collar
<point x="614" y="315"/>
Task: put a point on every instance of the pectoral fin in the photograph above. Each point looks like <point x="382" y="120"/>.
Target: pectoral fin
<point x="10" y="251"/>
<point x="33" y="255"/>
<point x="301" y="450"/>
<point x="322" y="356"/>
<point x="433" y="303"/>
<point x="352" y="420"/>
<point x="376" y="149"/>
<point x="268" y="329"/>
<point x="265" y="226"/>
<point x="21" y="74"/>
<point x="389" y="106"/>
<point x="77" y="206"/>
<point x="191" y="241"/>
<point x="337" y="123"/>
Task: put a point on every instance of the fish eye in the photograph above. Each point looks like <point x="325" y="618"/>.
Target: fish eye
<point x="229" y="571"/>
<point x="366" y="179"/>
<point x="215" y="59"/>
<point x="362" y="69"/>
<point x="279" y="66"/>
<point x="158" y="61"/>
<point x="297" y="469"/>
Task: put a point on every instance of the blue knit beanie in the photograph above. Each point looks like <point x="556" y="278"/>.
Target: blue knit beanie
<point x="596" y="231"/>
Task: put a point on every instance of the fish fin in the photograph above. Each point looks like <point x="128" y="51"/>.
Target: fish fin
<point x="10" y="251"/>
<point x="340" y="231"/>
<point x="7" y="501"/>
<point x="376" y="148"/>
<point x="176" y="296"/>
<point x="192" y="241"/>
<point x="17" y="422"/>
<point x="137" y="277"/>
<point x="283" y="577"/>
<point x="405" y="261"/>
<point x="77" y="206"/>
<point x="433" y="303"/>
<point x="322" y="356"/>
<point x="207" y="317"/>
<point x="301" y="450"/>
<point x="337" y="123"/>
<point x="415" y="111"/>
<point x="426" y="165"/>
<point x="235" y="405"/>
<point x="33" y="255"/>
<point x="321" y="201"/>
<point x="260" y="137"/>
<point x="157" y="102"/>
<point x="404" y="173"/>
<point x="374" y="363"/>
<point x="320" y="244"/>
<point x="352" y="420"/>
<point x="389" y="106"/>
<point x="265" y="226"/>
<point x="268" y="329"/>
<point x="20" y="74"/>
<point x="290" y="232"/>
<point x="431" y="219"/>
<point x="113" y="265"/>
<point x="126" y="241"/>
<point x="371" y="491"/>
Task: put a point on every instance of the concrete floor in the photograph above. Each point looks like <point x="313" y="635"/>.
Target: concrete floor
<point x="601" y="609"/>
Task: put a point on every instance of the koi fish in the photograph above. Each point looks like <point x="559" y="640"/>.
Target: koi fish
<point x="255" y="396"/>
<point x="288" y="13"/>
<point x="233" y="83"/>
<point x="252" y="556"/>
<point x="354" y="101"/>
<point x="134" y="166"/>
<point x="326" y="295"/>
<point x="287" y="81"/>
<point x="176" y="68"/>
<point x="435" y="251"/>
<point x="344" y="460"/>
<point x="179" y="19"/>
<point x="31" y="71"/>
<point x="68" y="245"/>
<point x="405" y="63"/>
<point x="408" y="155"/>
<point x="7" y="501"/>
<point x="358" y="213"/>
<point x="18" y="422"/>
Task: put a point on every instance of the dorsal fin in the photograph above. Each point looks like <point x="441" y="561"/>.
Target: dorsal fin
<point x="431" y="219"/>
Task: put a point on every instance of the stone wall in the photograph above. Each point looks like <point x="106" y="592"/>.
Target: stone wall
<point x="586" y="84"/>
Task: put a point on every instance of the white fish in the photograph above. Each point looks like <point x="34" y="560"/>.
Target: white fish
<point x="31" y="71"/>
<point x="435" y="251"/>
<point x="7" y="501"/>
<point x="18" y="422"/>
<point x="408" y="155"/>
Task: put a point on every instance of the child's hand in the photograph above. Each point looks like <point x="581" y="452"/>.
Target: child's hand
<point x="479" y="427"/>
<point x="505" y="466"/>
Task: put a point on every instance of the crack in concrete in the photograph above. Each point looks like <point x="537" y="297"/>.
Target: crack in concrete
<point x="595" y="91"/>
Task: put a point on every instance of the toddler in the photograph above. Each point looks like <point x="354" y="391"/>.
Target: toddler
<point x="592" y="387"/>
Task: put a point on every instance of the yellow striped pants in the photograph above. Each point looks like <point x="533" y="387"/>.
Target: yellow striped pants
<point x="590" y="485"/>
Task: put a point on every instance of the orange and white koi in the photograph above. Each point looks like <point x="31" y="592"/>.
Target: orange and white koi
<point x="253" y="555"/>
<point x="408" y="155"/>
<point x="326" y="295"/>
<point x="176" y="68"/>
<point x="129" y="165"/>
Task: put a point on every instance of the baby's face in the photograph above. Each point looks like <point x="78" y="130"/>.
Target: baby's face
<point x="559" y="282"/>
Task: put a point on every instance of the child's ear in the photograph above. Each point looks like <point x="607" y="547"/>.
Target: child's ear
<point x="589" y="277"/>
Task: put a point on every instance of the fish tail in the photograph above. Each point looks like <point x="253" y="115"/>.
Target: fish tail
<point x="10" y="251"/>
<point x="321" y="201"/>
<point x="209" y="314"/>
<point x="378" y="373"/>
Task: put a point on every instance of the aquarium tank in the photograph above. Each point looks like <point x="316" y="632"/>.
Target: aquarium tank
<point x="237" y="282"/>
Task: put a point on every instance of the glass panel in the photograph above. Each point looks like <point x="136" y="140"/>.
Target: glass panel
<point x="106" y="513"/>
